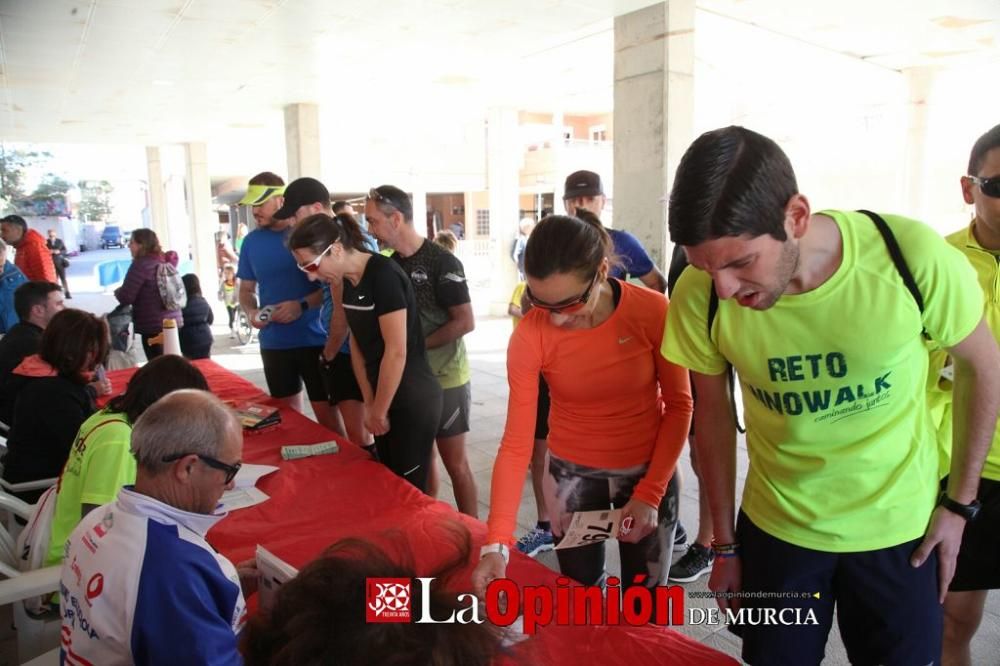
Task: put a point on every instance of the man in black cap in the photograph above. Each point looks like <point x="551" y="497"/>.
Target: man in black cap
<point x="584" y="191"/>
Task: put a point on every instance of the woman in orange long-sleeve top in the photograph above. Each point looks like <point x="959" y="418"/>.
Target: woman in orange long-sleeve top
<point x="620" y="412"/>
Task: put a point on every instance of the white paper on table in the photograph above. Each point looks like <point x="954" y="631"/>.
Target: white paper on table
<point x="272" y="572"/>
<point x="948" y="372"/>
<point x="513" y="634"/>
<point x="249" y="474"/>
<point x="240" y="498"/>
<point x="589" y="527"/>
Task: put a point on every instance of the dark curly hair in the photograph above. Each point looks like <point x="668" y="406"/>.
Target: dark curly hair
<point x="74" y="342"/>
<point x="154" y="380"/>
<point x="318" y="617"/>
<point x="731" y="182"/>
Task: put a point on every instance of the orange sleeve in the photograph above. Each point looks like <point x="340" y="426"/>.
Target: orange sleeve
<point x="48" y="268"/>
<point x="524" y="363"/>
<point x="675" y="423"/>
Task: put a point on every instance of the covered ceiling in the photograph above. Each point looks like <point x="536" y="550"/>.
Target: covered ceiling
<point x="161" y="71"/>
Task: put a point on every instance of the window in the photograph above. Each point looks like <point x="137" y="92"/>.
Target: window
<point x="483" y="222"/>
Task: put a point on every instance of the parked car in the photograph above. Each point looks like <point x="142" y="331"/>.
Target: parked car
<point x="112" y="237"/>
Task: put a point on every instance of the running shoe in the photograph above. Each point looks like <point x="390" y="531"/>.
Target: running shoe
<point x="694" y="564"/>
<point x="680" y="539"/>
<point x="536" y="541"/>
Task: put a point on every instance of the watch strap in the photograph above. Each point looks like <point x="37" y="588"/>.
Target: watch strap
<point x="501" y="549"/>
<point x="967" y="511"/>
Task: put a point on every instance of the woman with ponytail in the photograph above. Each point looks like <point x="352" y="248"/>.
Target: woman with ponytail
<point x="402" y="398"/>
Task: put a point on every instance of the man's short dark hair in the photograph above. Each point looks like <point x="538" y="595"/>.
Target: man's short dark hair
<point x="267" y="178"/>
<point x="30" y="294"/>
<point x="15" y="219"/>
<point x="731" y="181"/>
<point x="984" y="144"/>
<point x="339" y="206"/>
<point x="390" y="198"/>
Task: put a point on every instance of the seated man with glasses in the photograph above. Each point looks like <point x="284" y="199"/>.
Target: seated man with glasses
<point x="139" y="582"/>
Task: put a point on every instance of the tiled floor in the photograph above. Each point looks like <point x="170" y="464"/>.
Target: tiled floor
<point x="487" y="350"/>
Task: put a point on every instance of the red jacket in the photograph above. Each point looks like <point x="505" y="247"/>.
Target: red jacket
<point x="34" y="259"/>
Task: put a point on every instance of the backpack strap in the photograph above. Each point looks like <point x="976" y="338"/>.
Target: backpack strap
<point x="899" y="261"/>
<point x="713" y="309"/>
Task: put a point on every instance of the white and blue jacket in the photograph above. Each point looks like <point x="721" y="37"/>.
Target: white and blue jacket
<point x="141" y="585"/>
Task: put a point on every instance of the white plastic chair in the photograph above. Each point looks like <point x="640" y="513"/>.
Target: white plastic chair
<point x="36" y="636"/>
<point x="8" y="489"/>
<point x="24" y="486"/>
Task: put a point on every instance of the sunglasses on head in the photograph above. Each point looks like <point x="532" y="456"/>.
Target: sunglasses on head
<point x="988" y="186"/>
<point x="230" y="470"/>
<point x="378" y="197"/>
<point x="568" y="306"/>
<point x="313" y="265"/>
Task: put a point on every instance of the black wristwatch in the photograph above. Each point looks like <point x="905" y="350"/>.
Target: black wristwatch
<point x="967" y="511"/>
<point x="304" y="304"/>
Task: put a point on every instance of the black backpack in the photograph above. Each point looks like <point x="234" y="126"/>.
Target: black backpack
<point x="119" y="324"/>
<point x="678" y="263"/>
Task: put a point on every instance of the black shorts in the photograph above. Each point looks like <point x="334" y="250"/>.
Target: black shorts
<point x="287" y="369"/>
<point x="542" y="411"/>
<point x="456" y="410"/>
<point x="887" y="610"/>
<point x="978" y="566"/>
<point x="413" y="425"/>
<point x="339" y="379"/>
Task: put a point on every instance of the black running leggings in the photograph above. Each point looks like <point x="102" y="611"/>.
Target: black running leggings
<point x="413" y="425"/>
<point x="581" y="488"/>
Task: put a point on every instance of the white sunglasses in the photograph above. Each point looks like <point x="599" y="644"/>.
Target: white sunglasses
<point x="313" y="265"/>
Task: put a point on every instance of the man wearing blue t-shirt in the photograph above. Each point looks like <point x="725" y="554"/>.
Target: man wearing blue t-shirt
<point x="283" y="303"/>
<point x="584" y="190"/>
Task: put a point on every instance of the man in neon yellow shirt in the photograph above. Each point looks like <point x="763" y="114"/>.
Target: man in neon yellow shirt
<point x="824" y="332"/>
<point x="978" y="566"/>
<point x="100" y="461"/>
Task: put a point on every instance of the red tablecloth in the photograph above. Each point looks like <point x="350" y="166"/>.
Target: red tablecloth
<point x="316" y="501"/>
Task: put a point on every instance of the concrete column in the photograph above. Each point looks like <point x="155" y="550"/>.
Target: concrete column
<point x="503" y="159"/>
<point x="302" y="141"/>
<point x="919" y="82"/>
<point x="654" y="116"/>
<point x="419" y="210"/>
<point x="157" y="195"/>
<point x="203" y="221"/>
